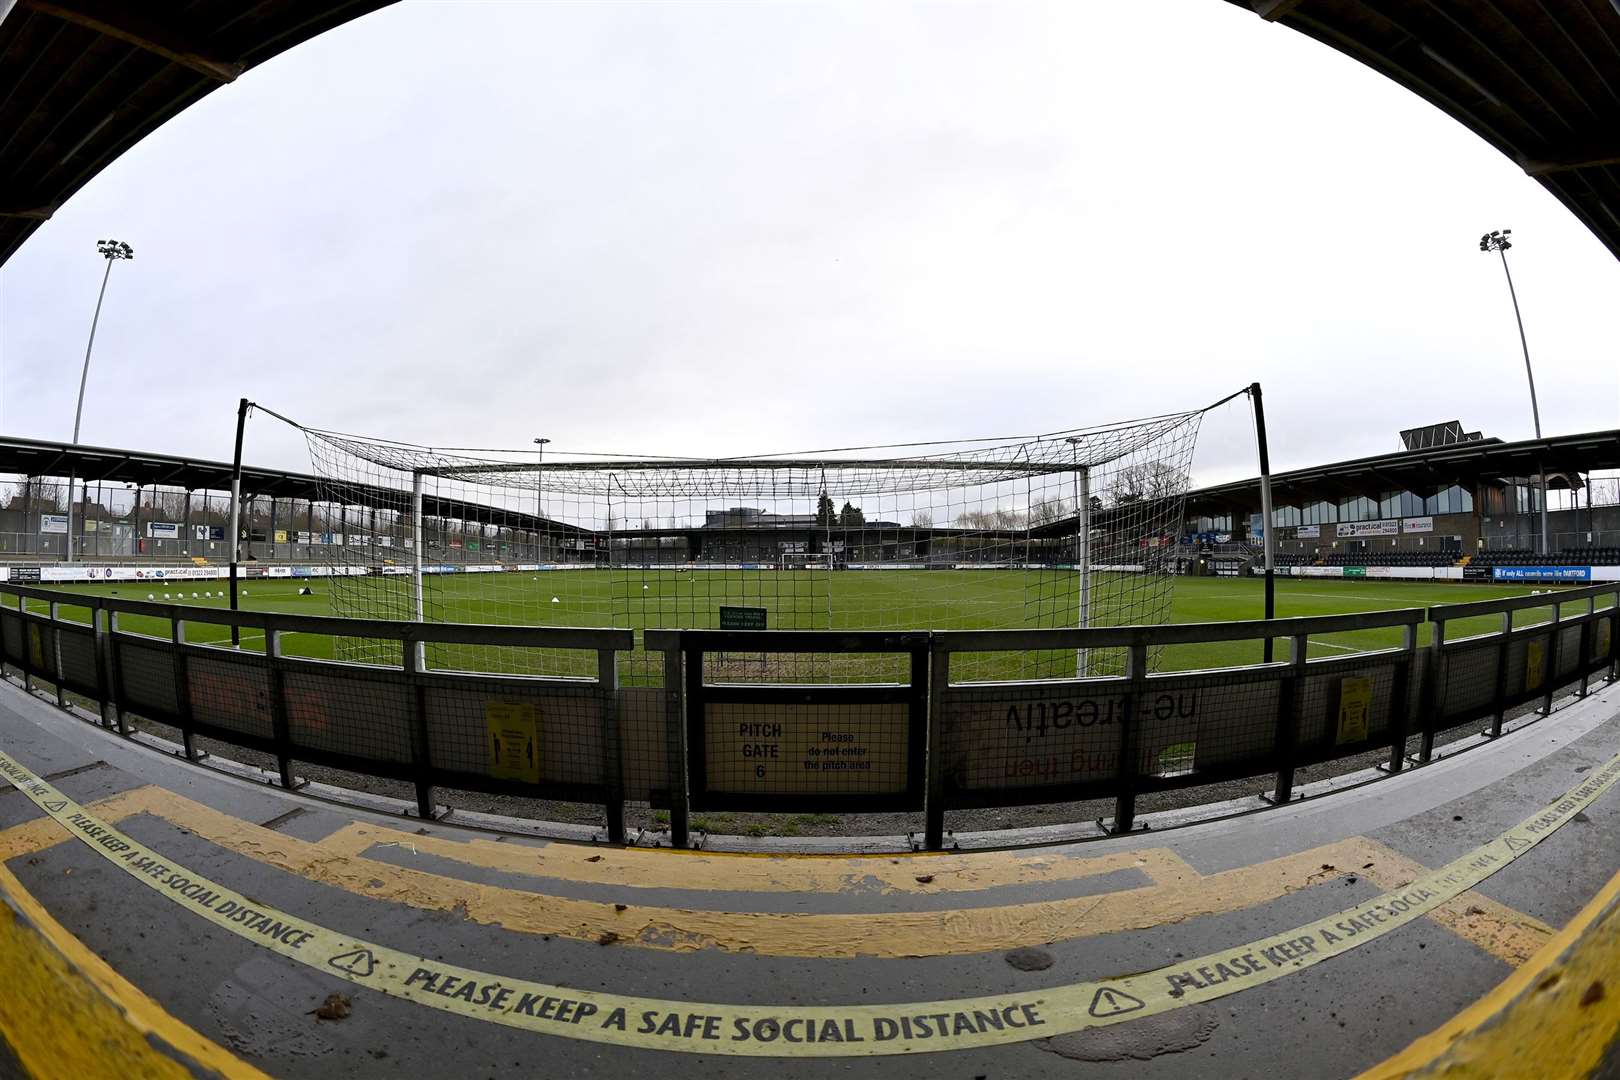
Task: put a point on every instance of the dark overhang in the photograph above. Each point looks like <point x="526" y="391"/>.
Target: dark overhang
<point x="1420" y="471"/>
<point x="93" y="464"/>
<point x="1537" y="79"/>
<point x="82" y="81"/>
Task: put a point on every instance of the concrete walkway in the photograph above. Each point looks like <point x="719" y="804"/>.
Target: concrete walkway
<point x="267" y="931"/>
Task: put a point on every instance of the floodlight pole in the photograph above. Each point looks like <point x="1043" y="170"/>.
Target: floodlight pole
<point x="1268" y="532"/>
<point x="236" y="513"/>
<point x="112" y="251"/>
<point x="1497" y="241"/>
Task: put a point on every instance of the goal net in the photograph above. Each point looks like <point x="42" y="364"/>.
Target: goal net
<point x="1070" y="528"/>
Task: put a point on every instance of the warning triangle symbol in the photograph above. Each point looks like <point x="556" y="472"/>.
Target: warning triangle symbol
<point x="1514" y="843"/>
<point x="359" y="962"/>
<point x="56" y="807"/>
<point x="1111" y="1002"/>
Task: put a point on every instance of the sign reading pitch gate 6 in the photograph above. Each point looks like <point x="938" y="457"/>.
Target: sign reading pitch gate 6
<point x="808" y="749"/>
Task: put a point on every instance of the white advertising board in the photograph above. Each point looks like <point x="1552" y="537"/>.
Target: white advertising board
<point x="1417" y="525"/>
<point x="1387" y="527"/>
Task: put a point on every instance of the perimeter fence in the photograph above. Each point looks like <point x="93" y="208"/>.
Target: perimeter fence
<point x="913" y="739"/>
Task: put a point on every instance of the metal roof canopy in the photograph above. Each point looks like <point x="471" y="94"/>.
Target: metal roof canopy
<point x="1420" y="471"/>
<point x="82" y="81"/>
<point x="1537" y="79"/>
<point x="34" y="457"/>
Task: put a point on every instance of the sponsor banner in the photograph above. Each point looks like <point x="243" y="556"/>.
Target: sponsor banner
<point x="1543" y="573"/>
<point x="53" y="523"/>
<point x="1355" y="571"/>
<point x="163" y="530"/>
<point x="482" y="568"/>
<point x="280" y="571"/>
<point x="1476" y="573"/>
<point x="530" y="566"/>
<point x="23" y="574"/>
<point x="1417" y="525"/>
<point x="208" y="532"/>
<point x="1309" y="532"/>
<point x="1388" y="527"/>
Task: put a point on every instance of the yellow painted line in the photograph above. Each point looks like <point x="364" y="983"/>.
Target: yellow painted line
<point x="1545" y="1013"/>
<point x="1507" y="934"/>
<point x="1496" y="928"/>
<point x="766" y="1030"/>
<point x="65" y="1013"/>
<point x="665" y="868"/>
<point x="1183" y="894"/>
<point x="39" y="834"/>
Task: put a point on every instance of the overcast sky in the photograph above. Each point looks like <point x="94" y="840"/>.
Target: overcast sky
<point x="725" y="229"/>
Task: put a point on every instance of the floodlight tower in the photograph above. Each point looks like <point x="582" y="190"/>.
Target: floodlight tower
<point x="113" y="251"/>
<point x="539" y="499"/>
<point x="1498" y="240"/>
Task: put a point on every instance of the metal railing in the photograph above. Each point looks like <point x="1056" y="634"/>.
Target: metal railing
<point x="731" y="729"/>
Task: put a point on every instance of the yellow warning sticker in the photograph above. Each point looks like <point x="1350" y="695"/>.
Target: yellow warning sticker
<point x="1535" y="661"/>
<point x="514" y="740"/>
<point x="36" y="646"/>
<point x="763" y="1029"/>
<point x="1355" y="701"/>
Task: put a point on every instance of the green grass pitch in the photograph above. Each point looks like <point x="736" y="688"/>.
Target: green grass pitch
<point x="987" y="599"/>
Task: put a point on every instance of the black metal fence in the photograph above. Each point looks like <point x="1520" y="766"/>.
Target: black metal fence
<point x="909" y="739"/>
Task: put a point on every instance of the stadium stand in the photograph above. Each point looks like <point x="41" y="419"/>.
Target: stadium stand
<point x="1579" y="556"/>
<point x="1390" y="558"/>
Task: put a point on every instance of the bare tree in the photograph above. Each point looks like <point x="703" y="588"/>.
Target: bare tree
<point x="921" y="519"/>
<point x="1148" y="481"/>
<point x="1045" y="511"/>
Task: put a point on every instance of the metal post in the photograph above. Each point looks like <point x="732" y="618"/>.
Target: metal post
<point x="1499" y="693"/>
<point x="279" y="726"/>
<point x="1266" y="524"/>
<point x="421" y="747"/>
<point x="680" y="834"/>
<point x="939" y="681"/>
<point x="236" y="513"/>
<point x="190" y="531"/>
<point x="607" y="686"/>
<point x="1400" y="700"/>
<point x="418" y="537"/>
<point x="1551" y="661"/>
<point x="1290" y="693"/>
<point x="1125" y="777"/>
<point x="1436" y="692"/>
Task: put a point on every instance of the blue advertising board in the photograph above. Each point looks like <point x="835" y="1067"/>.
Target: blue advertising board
<point x="1543" y="573"/>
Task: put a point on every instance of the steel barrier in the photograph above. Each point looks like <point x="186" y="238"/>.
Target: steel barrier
<point x="906" y="739"/>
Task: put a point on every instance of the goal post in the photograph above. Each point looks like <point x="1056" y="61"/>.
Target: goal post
<point x="1053" y="530"/>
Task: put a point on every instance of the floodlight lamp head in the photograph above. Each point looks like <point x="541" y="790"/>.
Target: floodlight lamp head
<point x="114" y="249"/>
